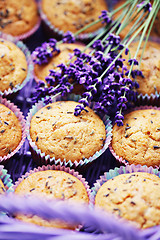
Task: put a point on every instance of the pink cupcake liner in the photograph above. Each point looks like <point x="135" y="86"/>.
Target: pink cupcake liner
<point x="120" y="159"/>
<point x="43" y="159"/>
<point x="55" y="32"/>
<point x="118" y="171"/>
<point x="27" y="54"/>
<point x="6" y="179"/>
<point x="54" y="167"/>
<point x="21" y="119"/>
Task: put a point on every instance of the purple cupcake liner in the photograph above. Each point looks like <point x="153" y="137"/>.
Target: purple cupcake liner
<point x="43" y="159"/>
<point x="55" y="32"/>
<point x="21" y="119"/>
<point x="120" y="159"/>
<point x="60" y="168"/>
<point x="5" y="178"/>
<point x="118" y="171"/>
<point x="27" y="54"/>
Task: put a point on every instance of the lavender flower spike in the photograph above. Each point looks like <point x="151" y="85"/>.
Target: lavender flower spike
<point x="105" y="17"/>
<point x="41" y="54"/>
<point x="68" y="37"/>
<point x="146" y="5"/>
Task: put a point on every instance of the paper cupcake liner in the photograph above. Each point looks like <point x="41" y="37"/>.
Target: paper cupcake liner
<point x="21" y="119"/>
<point x="120" y="159"/>
<point x="5" y="178"/>
<point x="60" y="168"/>
<point x="57" y="33"/>
<point x="54" y="167"/>
<point x="153" y="99"/>
<point x="118" y="171"/>
<point x="41" y="158"/>
<point x="27" y="54"/>
<point x="7" y="181"/>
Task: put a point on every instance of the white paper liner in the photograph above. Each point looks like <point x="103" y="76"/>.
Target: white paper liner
<point x="41" y="158"/>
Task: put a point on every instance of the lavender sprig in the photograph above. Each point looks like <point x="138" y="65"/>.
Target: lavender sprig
<point x="105" y="78"/>
<point x="41" y="54"/>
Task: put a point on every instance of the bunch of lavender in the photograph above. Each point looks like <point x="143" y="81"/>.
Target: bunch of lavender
<point x="102" y="72"/>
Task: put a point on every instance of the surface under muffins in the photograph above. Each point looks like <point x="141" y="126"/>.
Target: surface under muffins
<point x="10" y="131"/>
<point x="134" y="196"/>
<point x="13" y="69"/>
<point x="66" y="136"/>
<point x="73" y="15"/>
<point x="138" y="140"/>
<point x="18" y="17"/>
<point x="52" y="184"/>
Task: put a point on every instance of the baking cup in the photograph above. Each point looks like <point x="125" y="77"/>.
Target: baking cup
<point x="42" y="159"/>
<point x="5" y="178"/>
<point x="57" y="33"/>
<point x="21" y="119"/>
<point x="117" y="171"/>
<point x="54" y="167"/>
<point x="8" y="185"/>
<point x="120" y="159"/>
<point x="11" y="92"/>
<point x="60" y="168"/>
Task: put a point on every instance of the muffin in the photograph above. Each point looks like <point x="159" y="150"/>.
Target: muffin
<point x="18" y="17"/>
<point x="138" y="140"/>
<point x="133" y="196"/>
<point x="42" y="71"/>
<point x="10" y="131"/>
<point x="150" y="67"/>
<point x="13" y="69"/>
<point x="60" y="184"/>
<point x="57" y="132"/>
<point x="155" y="29"/>
<point x="72" y="15"/>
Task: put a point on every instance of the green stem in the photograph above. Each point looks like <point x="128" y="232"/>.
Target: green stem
<point x="121" y="7"/>
<point x="149" y="31"/>
<point x="136" y="25"/>
<point x="126" y="46"/>
<point x="152" y="13"/>
<point x="130" y="12"/>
